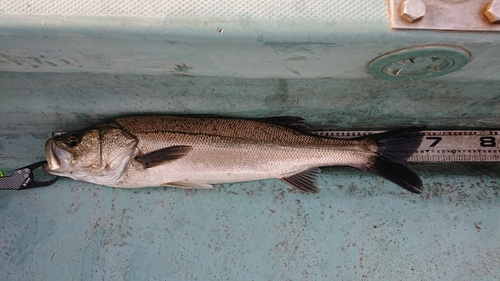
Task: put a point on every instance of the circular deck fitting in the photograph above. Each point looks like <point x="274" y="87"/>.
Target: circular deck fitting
<point x="419" y="62"/>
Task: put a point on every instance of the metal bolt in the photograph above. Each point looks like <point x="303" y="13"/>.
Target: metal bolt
<point x="412" y="10"/>
<point x="493" y="11"/>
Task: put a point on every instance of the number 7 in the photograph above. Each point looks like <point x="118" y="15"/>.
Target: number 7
<point x="436" y="140"/>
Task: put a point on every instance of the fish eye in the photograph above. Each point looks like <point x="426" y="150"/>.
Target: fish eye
<point x="73" y="140"/>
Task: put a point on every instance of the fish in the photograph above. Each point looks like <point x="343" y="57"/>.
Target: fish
<point x="199" y="151"/>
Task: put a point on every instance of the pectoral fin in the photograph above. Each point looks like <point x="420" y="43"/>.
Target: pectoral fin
<point x="163" y="155"/>
<point x="189" y="185"/>
<point x="304" y="181"/>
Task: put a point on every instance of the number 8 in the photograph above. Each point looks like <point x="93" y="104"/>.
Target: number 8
<point x="487" y="141"/>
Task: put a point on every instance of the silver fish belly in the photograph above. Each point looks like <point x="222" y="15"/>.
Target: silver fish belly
<point x="196" y="152"/>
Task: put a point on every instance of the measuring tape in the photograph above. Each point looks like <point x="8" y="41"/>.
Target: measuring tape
<point x="445" y="146"/>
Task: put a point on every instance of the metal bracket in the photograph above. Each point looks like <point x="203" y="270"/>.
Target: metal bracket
<point x="457" y="15"/>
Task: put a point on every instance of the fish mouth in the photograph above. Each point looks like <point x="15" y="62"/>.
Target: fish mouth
<point x="57" y="158"/>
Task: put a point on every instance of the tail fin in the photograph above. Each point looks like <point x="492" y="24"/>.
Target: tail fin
<point x="394" y="148"/>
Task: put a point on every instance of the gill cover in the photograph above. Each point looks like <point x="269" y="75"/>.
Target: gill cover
<point x="98" y="154"/>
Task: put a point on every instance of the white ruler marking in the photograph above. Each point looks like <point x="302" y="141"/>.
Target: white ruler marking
<point x="445" y="145"/>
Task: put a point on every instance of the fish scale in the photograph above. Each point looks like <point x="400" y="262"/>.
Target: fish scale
<point x="196" y="152"/>
<point x="228" y="159"/>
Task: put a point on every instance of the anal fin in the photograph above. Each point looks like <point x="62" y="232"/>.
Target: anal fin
<point x="304" y="181"/>
<point x="189" y="185"/>
<point x="163" y="155"/>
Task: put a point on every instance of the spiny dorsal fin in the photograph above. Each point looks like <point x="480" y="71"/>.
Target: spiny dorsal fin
<point x="163" y="155"/>
<point x="304" y="181"/>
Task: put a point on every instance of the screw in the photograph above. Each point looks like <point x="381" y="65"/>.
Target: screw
<point x="412" y="10"/>
<point x="493" y="11"/>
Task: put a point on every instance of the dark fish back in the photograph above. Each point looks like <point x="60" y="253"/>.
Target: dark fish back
<point x="223" y="127"/>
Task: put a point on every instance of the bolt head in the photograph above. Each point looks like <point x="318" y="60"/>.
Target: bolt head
<point x="412" y="10"/>
<point x="493" y="11"/>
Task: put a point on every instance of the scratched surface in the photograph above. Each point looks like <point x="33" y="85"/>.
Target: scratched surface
<point x="359" y="227"/>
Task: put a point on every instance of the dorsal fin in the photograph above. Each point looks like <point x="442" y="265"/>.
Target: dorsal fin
<point x="304" y="181"/>
<point x="200" y="115"/>
<point x="293" y="122"/>
<point x="163" y="155"/>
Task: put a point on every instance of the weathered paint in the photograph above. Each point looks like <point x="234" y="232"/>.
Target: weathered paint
<point x="260" y="49"/>
<point x="59" y="101"/>
<point x="358" y="227"/>
<point x="67" y="71"/>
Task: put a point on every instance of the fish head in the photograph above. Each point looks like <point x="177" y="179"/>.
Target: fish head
<point x="98" y="154"/>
